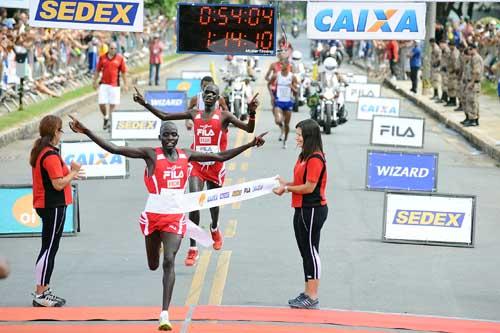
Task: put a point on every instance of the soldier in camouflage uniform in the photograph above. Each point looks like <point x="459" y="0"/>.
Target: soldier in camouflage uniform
<point x="466" y="79"/>
<point x="444" y="68"/>
<point x="453" y="69"/>
<point x="461" y="75"/>
<point x="435" y="64"/>
<point x="473" y="89"/>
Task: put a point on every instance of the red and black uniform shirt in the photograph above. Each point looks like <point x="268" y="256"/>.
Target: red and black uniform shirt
<point x="313" y="169"/>
<point x="49" y="165"/>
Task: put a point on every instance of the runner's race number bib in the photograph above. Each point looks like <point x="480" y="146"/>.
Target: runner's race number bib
<point x="207" y="149"/>
<point x="284" y="93"/>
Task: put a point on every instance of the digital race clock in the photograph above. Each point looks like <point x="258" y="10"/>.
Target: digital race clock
<point x="226" y="29"/>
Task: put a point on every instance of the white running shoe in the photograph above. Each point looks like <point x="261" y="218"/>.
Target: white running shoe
<point x="164" y="323"/>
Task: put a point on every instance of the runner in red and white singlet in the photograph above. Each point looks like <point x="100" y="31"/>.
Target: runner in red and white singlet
<point x="167" y="169"/>
<point x="210" y="136"/>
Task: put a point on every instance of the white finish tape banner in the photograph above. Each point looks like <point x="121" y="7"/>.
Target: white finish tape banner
<point x="175" y="203"/>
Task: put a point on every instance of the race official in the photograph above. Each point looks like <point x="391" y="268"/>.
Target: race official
<point x="112" y="65"/>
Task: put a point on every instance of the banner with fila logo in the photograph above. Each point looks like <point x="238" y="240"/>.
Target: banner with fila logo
<point x="398" y="131"/>
<point x="394" y="170"/>
<point x="356" y="90"/>
<point x="96" y="162"/>
<point x="429" y="218"/>
<point x="371" y="106"/>
<point x="347" y="20"/>
<point x="134" y="125"/>
<point x="122" y="15"/>
<point x="19" y="218"/>
<point x="355" y="78"/>
<point x="167" y="101"/>
<point x="14" y="3"/>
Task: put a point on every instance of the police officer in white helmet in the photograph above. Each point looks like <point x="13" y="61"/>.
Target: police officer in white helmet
<point x="331" y="77"/>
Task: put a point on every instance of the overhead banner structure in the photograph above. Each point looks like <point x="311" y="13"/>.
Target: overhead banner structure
<point x="14" y="3"/>
<point x="96" y="162"/>
<point x="167" y="101"/>
<point x="347" y="20"/>
<point x="398" y="131"/>
<point x="195" y="74"/>
<point x="393" y="170"/>
<point x="356" y="90"/>
<point x="371" y="106"/>
<point x="175" y="202"/>
<point x="19" y="218"/>
<point x="134" y="125"/>
<point x="191" y="86"/>
<point x="429" y="218"/>
<point x="122" y="15"/>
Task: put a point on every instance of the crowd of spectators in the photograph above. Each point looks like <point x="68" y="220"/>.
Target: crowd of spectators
<point x="68" y="54"/>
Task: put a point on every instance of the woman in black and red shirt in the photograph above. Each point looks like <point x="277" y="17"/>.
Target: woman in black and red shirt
<point x="311" y="210"/>
<point x="51" y="195"/>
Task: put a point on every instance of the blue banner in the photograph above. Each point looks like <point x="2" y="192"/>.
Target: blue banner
<point x="17" y="216"/>
<point x="167" y="101"/>
<point x="401" y="171"/>
<point x="191" y="86"/>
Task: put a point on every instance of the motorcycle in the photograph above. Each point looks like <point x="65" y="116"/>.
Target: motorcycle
<point x="317" y="51"/>
<point x="304" y="81"/>
<point x="295" y="30"/>
<point x="237" y="94"/>
<point x="327" y="106"/>
<point x="334" y="52"/>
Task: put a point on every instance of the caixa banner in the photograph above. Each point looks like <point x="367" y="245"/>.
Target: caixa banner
<point x="398" y="131"/>
<point x="167" y="101"/>
<point x="371" y="106"/>
<point x="19" y="218"/>
<point x="134" y="125"/>
<point x="429" y="218"/>
<point x="393" y="170"/>
<point x="348" y="20"/>
<point x="95" y="161"/>
<point x="191" y="86"/>
<point x="122" y="15"/>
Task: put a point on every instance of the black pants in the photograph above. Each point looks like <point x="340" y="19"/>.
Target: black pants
<point x="307" y="224"/>
<point x="414" y="78"/>
<point x="52" y="229"/>
<point x="154" y="74"/>
<point x="393" y="67"/>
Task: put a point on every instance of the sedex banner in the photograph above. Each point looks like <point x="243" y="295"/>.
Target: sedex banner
<point x="398" y="131"/>
<point x="393" y="170"/>
<point x="429" y="218"/>
<point x="134" y="125"/>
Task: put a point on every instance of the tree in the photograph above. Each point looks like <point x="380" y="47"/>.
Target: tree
<point x="165" y="7"/>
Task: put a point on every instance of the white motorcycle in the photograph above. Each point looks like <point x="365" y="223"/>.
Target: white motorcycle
<point x="331" y="111"/>
<point x="238" y="93"/>
<point x="304" y="81"/>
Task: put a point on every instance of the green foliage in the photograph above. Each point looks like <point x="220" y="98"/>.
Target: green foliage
<point x="165" y="7"/>
<point x="489" y="88"/>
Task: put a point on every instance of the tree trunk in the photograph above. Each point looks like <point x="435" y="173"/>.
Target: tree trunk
<point x="430" y="28"/>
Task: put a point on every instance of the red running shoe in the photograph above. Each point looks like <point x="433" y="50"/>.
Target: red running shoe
<point x="217" y="238"/>
<point x="192" y="257"/>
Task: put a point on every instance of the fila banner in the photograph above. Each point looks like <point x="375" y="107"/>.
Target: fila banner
<point x="356" y="90"/>
<point x="14" y="3"/>
<point x="134" y="125"/>
<point x="371" y="106"/>
<point x="122" y="15"/>
<point x="347" y="20"/>
<point x="96" y="162"/>
<point x="393" y="170"/>
<point x="398" y="131"/>
<point x="197" y="75"/>
<point x="429" y="218"/>
<point x="19" y="218"/>
<point x="175" y="202"/>
<point x="167" y="101"/>
<point x="355" y="78"/>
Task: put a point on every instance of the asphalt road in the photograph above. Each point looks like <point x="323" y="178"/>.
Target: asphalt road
<point x="105" y="264"/>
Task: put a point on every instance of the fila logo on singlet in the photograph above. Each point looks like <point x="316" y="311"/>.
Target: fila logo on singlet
<point x="205" y="132"/>
<point x="174" y="176"/>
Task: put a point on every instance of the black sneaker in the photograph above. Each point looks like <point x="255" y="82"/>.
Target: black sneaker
<point x="105" y="124"/>
<point x="47" y="299"/>
<point x="306" y="303"/>
<point x="296" y="299"/>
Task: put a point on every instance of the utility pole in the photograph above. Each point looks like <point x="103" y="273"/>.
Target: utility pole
<point x="430" y="27"/>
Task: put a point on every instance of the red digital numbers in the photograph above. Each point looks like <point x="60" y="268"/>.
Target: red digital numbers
<point x="205" y="17"/>
<point x="208" y="39"/>
<point x="253" y="17"/>
<point x="237" y="15"/>
<point x="264" y="40"/>
<point x="268" y="16"/>
<point x="221" y="15"/>
<point x="233" y="37"/>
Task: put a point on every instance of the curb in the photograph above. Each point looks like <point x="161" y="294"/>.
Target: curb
<point x="27" y="129"/>
<point x="476" y="140"/>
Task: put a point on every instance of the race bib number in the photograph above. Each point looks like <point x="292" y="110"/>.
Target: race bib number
<point x="174" y="183"/>
<point x="284" y="94"/>
<point x="207" y="149"/>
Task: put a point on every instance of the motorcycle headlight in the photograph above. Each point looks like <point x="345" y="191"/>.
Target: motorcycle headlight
<point x="328" y="94"/>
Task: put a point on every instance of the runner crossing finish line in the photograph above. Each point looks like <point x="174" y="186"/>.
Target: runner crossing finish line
<point x="172" y="202"/>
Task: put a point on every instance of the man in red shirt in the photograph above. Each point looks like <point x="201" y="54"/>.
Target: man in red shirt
<point x="111" y="65"/>
<point x="155" y="59"/>
<point x="392" y="50"/>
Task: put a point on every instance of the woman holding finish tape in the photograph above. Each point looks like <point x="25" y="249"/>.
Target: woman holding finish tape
<point x="311" y="210"/>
